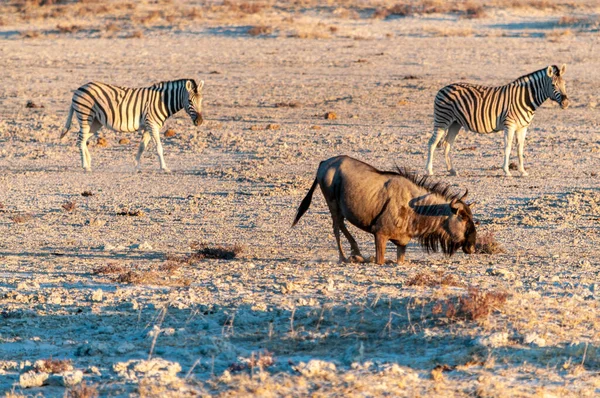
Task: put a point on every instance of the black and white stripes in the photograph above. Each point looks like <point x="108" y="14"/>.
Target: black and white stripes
<point x="132" y="109"/>
<point x="487" y="109"/>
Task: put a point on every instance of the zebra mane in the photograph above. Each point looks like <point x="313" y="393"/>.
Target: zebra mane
<point x="533" y="75"/>
<point x="424" y="181"/>
<point x="161" y="84"/>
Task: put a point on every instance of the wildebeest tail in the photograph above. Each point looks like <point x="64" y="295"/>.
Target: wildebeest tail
<point x="68" y="124"/>
<point x="305" y="202"/>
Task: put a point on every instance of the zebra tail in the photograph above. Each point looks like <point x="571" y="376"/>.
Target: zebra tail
<point x="68" y="124"/>
<point x="305" y="204"/>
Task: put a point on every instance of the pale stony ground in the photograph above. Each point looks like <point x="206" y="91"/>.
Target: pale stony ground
<point x="236" y="182"/>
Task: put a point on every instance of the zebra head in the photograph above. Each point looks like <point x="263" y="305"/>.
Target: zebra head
<point x="193" y="105"/>
<point x="558" y="86"/>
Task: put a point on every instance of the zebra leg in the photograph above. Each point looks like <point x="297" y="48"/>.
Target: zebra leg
<point x="509" y="134"/>
<point x="448" y="142"/>
<point x="84" y="136"/>
<point x="96" y="125"/>
<point x="520" y="145"/>
<point x="438" y="133"/>
<point x="159" y="150"/>
<point x="143" y="144"/>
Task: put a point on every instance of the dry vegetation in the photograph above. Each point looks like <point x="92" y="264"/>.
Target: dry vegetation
<point x="487" y="243"/>
<point x="476" y="305"/>
<point x="53" y="365"/>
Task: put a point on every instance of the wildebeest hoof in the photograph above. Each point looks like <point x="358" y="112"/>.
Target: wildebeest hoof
<point x="357" y="258"/>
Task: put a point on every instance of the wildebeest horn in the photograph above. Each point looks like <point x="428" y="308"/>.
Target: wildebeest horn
<point x="472" y="204"/>
<point x="454" y="205"/>
<point x="465" y="195"/>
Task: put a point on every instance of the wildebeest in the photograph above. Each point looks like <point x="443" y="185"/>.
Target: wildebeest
<point x="396" y="206"/>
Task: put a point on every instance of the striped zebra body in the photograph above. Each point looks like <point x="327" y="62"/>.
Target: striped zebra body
<point x="132" y="109"/>
<point x="509" y="108"/>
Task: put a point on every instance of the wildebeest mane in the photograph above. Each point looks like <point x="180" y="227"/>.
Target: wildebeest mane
<point x="423" y="181"/>
<point x="437" y="241"/>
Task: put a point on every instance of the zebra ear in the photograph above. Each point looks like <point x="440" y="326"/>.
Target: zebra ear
<point x="201" y="85"/>
<point x="563" y="68"/>
<point x="188" y="85"/>
<point x="550" y="71"/>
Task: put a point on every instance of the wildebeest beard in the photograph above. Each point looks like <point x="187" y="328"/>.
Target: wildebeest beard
<point x="433" y="237"/>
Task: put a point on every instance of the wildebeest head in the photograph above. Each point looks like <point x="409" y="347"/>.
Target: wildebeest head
<point x="193" y="105"/>
<point x="558" y="88"/>
<point x="461" y="226"/>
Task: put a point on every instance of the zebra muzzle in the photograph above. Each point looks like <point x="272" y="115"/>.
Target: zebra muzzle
<point x="198" y="121"/>
<point x="565" y="103"/>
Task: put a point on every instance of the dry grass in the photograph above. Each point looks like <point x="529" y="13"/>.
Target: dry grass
<point x="292" y="104"/>
<point x="429" y="279"/>
<point x="54" y="365"/>
<point x="476" y="305"/>
<point x="260" y="30"/>
<point x="166" y="274"/>
<point x="83" y="390"/>
<point x="330" y="116"/>
<point x="466" y="9"/>
<point x="487" y="244"/>
<point x="32" y="105"/>
<point x="67" y="28"/>
<point x="263" y="360"/>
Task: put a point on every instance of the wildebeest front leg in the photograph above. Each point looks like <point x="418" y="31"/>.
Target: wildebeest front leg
<point x="400" y="253"/>
<point x="380" y="242"/>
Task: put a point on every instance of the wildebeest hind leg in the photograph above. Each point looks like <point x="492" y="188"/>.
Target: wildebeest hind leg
<point x="336" y="232"/>
<point x="355" y="251"/>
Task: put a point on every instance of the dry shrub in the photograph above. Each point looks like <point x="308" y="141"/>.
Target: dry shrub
<point x="32" y="105"/>
<point x="21" y="218"/>
<point x="330" y="116"/>
<point x="64" y="28"/>
<point x="474" y="11"/>
<point x="272" y="126"/>
<point x="292" y="104"/>
<point x="136" y="34"/>
<point x="244" y="7"/>
<point x="487" y="244"/>
<point x="69" y="206"/>
<point x="54" y="365"/>
<point x="131" y="213"/>
<point x="206" y="251"/>
<point x="170" y="133"/>
<point x="83" y="390"/>
<point x="262" y="361"/>
<point x="260" y="30"/>
<point x="475" y="306"/>
<point x="102" y="142"/>
<point x="109" y="269"/>
<point x="162" y="275"/>
<point x="87" y="193"/>
<point x="409" y="8"/>
<point x="428" y="279"/>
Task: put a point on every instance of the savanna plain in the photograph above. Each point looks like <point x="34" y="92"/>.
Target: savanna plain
<point x="192" y="283"/>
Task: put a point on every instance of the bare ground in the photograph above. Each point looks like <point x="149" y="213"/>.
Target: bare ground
<point x="283" y="317"/>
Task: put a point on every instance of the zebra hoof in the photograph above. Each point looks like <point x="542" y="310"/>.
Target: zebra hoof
<point x="166" y="170"/>
<point x="507" y="173"/>
<point x="524" y="173"/>
<point x="87" y="169"/>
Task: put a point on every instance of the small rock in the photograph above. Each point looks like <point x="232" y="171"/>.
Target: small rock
<point x="125" y="348"/>
<point x="102" y="142"/>
<point x="555" y="278"/>
<point x="495" y="340"/>
<point x="32" y="379"/>
<point x="330" y="116"/>
<point x="94" y="370"/>
<point x="66" y="379"/>
<point x="124" y="141"/>
<point x="95" y="222"/>
<point x="504" y="273"/>
<point x="315" y="368"/>
<point x="144" y="246"/>
<point x="97" y="295"/>
<point x="533" y="339"/>
<point x="170" y="133"/>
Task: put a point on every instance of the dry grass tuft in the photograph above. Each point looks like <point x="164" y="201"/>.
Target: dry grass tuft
<point x="475" y="306"/>
<point x="428" y="279"/>
<point x="69" y="206"/>
<point x="292" y="104"/>
<point x="262" y="361"/>
<point x="206" y="251"/>
<point x="124" y="141"/>
<point x="83" y="390"/>
<point x="21" y="218"/>
<point x="65" y="28"/>
<point x="170" y="133"/>
<point x="260" y="30"/>
<point x="85" y="194"/>
<point x="54" y="365"/>
<point x="165" y="274"/>
<point x="487" y="244"/>
<point x="136" y="34"/>
<point x="330" y="116"/>
<point x="272" y="126"/>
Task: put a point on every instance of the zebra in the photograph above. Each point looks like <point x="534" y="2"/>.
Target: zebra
<point x="131" y="109"/>
<point x="488" y="109"/>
